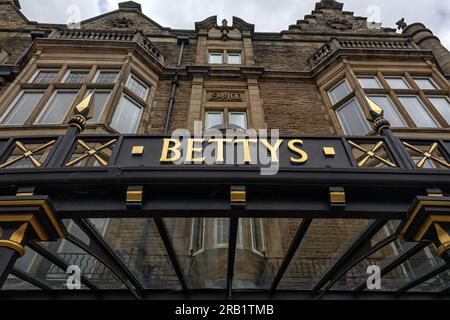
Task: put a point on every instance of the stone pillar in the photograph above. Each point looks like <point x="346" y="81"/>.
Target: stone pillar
<point x="255" y="104"/>
<point x="426" y="40"/>
<point x="195" y="106"/>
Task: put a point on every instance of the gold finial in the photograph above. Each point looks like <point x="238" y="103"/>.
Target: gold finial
<point x="376" y="116"/>
<point x="84" y="111"/>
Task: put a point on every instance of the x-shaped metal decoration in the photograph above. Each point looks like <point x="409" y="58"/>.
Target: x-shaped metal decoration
<point x="91" y="152"/>
<point x="427" y="155"/>
<point x="27" y="154"/>
<point x="371" y="154"/>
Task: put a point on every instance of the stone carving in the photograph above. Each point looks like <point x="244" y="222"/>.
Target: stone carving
<point x="226" y="96"/>
<point x="340" y="24"/>
<point x="122" y="23"/>
<point x="225" y="29"/>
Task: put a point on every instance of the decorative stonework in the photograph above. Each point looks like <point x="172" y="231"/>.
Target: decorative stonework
<point x="340" y="24"/>
<point x="329" y="4"/>
<point x="224" y="29"/>
<point x="225" y="96"/>
<point x="122" y="23"/>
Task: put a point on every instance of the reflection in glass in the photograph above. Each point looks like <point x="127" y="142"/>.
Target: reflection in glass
<point x="324" y="243"/>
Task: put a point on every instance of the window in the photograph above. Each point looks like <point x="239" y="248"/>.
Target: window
<point x="212" y="119"/>
<point x="417" y="111"/>
<point x="57" y="108"/>
<point x="198" y="235"/>
<point x="21" y="109"/>
<point x="100" y="100"/>
<point x="442" y="104"/>
<point x="234" y="58"/>
<point x="222" y="230"/>
<point x="397" y="83"/>
<point x="369" y="82"/>
<point x="45" y="76"/>
<point x="127" y="116"/>
<point x="352" y="119"/>
<point x="215" y="58"/>
<point x="425" y="83"/>
<point x="256" y="225"/>
<point x="390" y="112"/>
<point x="106" y="76"/>
<point x="238" y="119"/>
<point x="339" y="92"/>
<point x="137" y="87"/>
<point x="76" y="76"/>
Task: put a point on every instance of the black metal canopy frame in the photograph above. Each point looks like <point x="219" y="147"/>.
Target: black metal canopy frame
<point x="395" y="184"/>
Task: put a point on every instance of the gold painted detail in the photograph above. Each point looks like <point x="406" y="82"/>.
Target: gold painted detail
<point x="137" y="150"/>
<point x="337" y="197"/>
<point x="442" y="234"/>
<point x="13" y="245"/>
<point x="29" y="154"/>
<point x="371" y="154"/>
<point x="427" y="155"/>
<point x="134" y="195"/>
<point x="238" y="196"/>
<point x="329" y="151"/>
<point x="19" y="234"/>
<point x="443" y="248"/>
<point x="373" y="107"/>
<point x="24" y="194"/>
<point x="92" y="152"/>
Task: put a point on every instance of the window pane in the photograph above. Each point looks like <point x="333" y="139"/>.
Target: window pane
<point x="369" y="82"/>
<point x="443" y="106"/>
<point x="107" y="76"/>
<point x="23" y="107"/>
<point x="257" y="235"/>
<point x="216" y="58"/>
<point x="390" y="112"/>
<point x="339" y="92"/>
<point x="101" y="98"/>
<point x="127" y="116"/>
<point x="137" y="87"/>
<point x="238" y="119"/>
<point x="77" y="76"/>
<point x="234" y="58"/>
<point x="222" y="232"/>
<point x="56" y="110"/>
<point x="352" y="119"/>
<point x="46" y="76"/>
<point x="197" y="234"/>
<point x="425" y="83"/>
<point x="213" y="119"/>
<point x="397" y="83"/>
<point x="418" y="112"/>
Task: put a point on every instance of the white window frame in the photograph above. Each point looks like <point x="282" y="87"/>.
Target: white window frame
<point x="39" y="117"/>
<point x="239" y="245"/>
<point x="36" y="73"/>
<point x="334" y="87"/>
<point x="136" y="78"/>
<point x="397" y="77"/>
<point x="436" y="87"/>
<point x="97" y="75"/>
<point x="141" y="111"/>
<point x="213" y="111"/>
<point x="263" y="253"/>
<point x="380" y="86"/>
<point x="339" y="118"/>
<point x="13" y="104"/>
<point x="76" y="70"/>
<point x="210" y="53"/>
<point x="191" y="246"/>
<point x="240" y="112"/>
<point x="235" y="54"/>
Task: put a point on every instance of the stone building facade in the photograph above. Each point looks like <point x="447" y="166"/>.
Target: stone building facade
<point x="310" y="79"/>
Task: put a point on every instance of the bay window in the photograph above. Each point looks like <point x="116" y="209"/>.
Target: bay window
<point x="21" y="109"/>
<point x="418" y="112"/>
<point x="352" y="119"/>
<point x="127" y="116"/>
<point x="57" y="108"/>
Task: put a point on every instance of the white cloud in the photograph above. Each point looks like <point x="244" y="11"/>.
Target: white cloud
<point x="267" y="15"/>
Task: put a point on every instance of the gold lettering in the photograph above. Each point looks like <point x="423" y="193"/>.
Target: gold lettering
<point x="303" y="155"/>
<point x="165" y="157"/>
<point x="191" y="150"/>
<point x="246" y="144"/>
<point x="220" y="143"/>
<point x="272" y="149"/>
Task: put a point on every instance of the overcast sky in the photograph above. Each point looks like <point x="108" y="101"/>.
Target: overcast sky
<point x="267" y="15"/>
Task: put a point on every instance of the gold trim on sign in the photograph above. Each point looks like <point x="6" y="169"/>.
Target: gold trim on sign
<point x="443" y="249"/>
<point x="31" y="219"/>
<point x="337" y="197"/>
<point x="13" y="245"/>
<point x="44" y="206"/>
<point x="134" y="196"/>
<point x="238" y="196"/>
